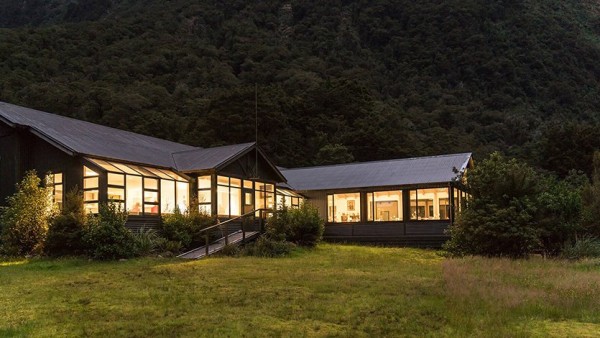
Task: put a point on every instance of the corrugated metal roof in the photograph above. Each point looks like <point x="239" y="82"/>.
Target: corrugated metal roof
<point x="418" y="170"/>
<point x="208" y="158"/>
<point x="93" y="139"/>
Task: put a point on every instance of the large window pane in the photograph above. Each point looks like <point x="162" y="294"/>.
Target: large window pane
<point x="134" y="195"/>
<point x="116" y="194"/>
<point x="167" y="196"/>
<point x="116" y="179"/>
<point x="150" y="183"/>
<point x="236" y="182"/>
<point x="90" y="195"/>
<point x="345" y="207"/>
<point x="385" y="206"/>
<point x="235" y="201"/>
<point x="150" y="196"/>
<point x="90" y="183"/>
<point x="183" y="195"/>
<point x="204" y="196"/>
<point x="223" y="201"/>
<point x="204" y="182"/>
<point x="430" y="204"/>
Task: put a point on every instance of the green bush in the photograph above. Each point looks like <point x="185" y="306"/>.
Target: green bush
<point x="185" y="227"/>
<point x="587" y="247"/>
<point x="26" y="219"/>
<point x="106" y="236"/>
<point x="306" y="226"/>
<point x="268" y="247"/>
<point x="65" y="235"/>
<point x="500" y="220"/>
<point x="302" y="226"/>
<point x="147" y="241"/>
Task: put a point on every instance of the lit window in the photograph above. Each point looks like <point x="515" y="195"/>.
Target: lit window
<point x="343" y="207"/>
<point x="55" y="182"/>
<point x="384" y="206"/>
<point x="90" y="190"/>
<point x="134" y="194"/>
<point x="229" y="196"/>
<point x="183" y="195"/>
<point x="429" y="204"/>
<point x="167" y="196"/>
<point x="205" y="194"/>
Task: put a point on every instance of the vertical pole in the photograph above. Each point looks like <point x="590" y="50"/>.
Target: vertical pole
<point x="206" y="242"/>
<point x="227" y="233"/>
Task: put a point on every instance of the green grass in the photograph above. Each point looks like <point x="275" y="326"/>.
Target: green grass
<point x="334" y="290"/>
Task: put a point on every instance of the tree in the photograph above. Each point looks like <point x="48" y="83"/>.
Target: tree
<point x="65" y="235"/>
<point x="591" y="201"/>
<point x="25" y="221"/>
<point x="500" y="218"/>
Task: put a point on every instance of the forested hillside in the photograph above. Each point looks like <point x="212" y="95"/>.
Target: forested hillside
<point x="337" y="80"/>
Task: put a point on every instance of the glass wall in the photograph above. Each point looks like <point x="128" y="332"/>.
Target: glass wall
<point x="265" y="195"/>
<point x="205" y="194"/>
<point x="229" y="196"/>
<point x="138" y="190"/>
<point x="343" y="207"/>
<point x="90" y="190"/>
<point x="55" y="182"/>
<point x="288" y="198"/>
<point x="429" y="204"/>
<point x="384" y="206"/>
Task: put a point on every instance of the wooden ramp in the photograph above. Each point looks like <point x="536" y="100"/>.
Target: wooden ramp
<point x="218" y="245"/>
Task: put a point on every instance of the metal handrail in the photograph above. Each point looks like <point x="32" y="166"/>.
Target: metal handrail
<point x="233" y="219"/>
<point x="220" y="224"/>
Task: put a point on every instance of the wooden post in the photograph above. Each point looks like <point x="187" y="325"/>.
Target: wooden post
<point x="227" y="233"/>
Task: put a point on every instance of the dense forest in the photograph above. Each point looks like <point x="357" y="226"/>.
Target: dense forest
<point x="350" y="80"/>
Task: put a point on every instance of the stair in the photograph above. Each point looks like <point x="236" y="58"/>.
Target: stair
<point x="218" y="245"/>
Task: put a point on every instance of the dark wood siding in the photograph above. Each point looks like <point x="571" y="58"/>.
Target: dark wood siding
<point x="21" y="151"/>
<point x="244" y="167"/>
<point x="319" y="200"/>
<point x="11" y="160"/>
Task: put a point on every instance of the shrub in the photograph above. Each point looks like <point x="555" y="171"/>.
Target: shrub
<point x="185" y="228"/>
<point x="500" y="220"/>
<point x="106" y="236"/>
<point x="147" y="241"/>
<point x="65" y="235"/>
<point x="268" y="247"/>
<point x="587" y="247"/>
<point x="306" y="227"/>
<point x="302" y="226"/>
<point x="25" y="221"/>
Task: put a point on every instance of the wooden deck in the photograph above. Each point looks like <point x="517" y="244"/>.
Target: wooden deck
<point x="218" y="245"/>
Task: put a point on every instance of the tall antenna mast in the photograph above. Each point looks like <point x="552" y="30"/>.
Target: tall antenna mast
<point x="256" y="129"/>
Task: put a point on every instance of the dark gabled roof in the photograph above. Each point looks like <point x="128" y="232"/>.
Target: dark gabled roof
<point x="410" y="171"/>
<point x="209" y="158"/>
<point x="80" y="137"/>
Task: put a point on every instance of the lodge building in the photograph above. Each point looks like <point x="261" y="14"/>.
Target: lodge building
<point x="403" y="201"/>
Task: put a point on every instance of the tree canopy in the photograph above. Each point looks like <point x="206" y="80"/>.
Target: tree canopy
<point x="355" y="80"/>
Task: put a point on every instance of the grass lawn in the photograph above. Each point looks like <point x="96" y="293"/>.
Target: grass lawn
<point x="334" y="290"/>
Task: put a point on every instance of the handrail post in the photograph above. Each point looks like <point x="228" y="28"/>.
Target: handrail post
<point x="206" y="242"/>
<point x="243" y="231"/>
<point x="226" y="233"/>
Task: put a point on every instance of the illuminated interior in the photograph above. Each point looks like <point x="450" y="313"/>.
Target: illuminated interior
<point x="55" y="182"/>
<point x="384" y="206"/>
<point x="343" y="208"/>
<point x="138" y="190"/>
<point x="429" y="204"/>
<point x="288" y="198"/>
<point x="90" y="190"/>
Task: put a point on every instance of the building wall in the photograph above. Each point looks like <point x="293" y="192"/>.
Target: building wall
<point x="11" y="161"/>
<point x="21" y="151"/>
<point x="428" y="233"/>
